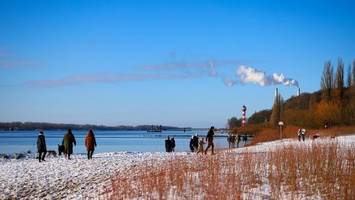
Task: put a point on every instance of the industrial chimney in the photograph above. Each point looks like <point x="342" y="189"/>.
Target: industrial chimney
<point x="276" y="92"/>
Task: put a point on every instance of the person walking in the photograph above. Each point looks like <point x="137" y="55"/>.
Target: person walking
<point x="90" y="143"/>
<point x="68" y="142"/>
<point x="209" y="139"/>
<point x="245" y="139"/>
<point x="238" y="140"/>
<point x="41" y="146"/>
<point x="231" y="141"/>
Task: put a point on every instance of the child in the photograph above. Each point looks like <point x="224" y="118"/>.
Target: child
<point x="200" y="146"/>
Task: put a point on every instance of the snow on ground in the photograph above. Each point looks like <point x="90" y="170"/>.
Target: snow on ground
<point x="81" y="178"/>
<point x="273" y="145"/>
<point x="69" y="179"/>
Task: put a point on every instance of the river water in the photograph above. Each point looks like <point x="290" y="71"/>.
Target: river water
<point x="107" y="141"/>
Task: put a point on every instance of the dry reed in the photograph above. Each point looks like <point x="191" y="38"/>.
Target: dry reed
<point x="304" y="170"/>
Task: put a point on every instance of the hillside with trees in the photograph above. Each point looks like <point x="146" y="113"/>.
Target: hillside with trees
<point x="332" y="105"/>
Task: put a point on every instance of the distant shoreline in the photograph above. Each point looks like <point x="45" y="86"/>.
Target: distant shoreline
<point x="34" y="126"/>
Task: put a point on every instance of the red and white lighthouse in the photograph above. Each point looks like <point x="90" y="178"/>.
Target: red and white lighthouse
<point x="244" y="113"/>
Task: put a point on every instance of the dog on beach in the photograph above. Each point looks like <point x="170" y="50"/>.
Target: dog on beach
<point x="52" y="153"/>
<point x="49" y="153"/>
<point x="60" y="149"/>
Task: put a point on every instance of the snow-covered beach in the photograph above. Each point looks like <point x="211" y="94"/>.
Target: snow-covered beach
<point x="69" y="179"/>
<point x="79" y="178"/>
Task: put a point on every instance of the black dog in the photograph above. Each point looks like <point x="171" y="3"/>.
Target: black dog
<point x="51" y="152"/>
<point x="60" y="149"/>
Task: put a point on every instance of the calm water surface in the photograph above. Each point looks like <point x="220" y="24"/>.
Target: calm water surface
<point x="107" y="141"/>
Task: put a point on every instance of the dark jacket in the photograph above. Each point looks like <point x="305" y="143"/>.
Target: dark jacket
<point x="168" y="145"/>
<point x="68" y="142"/>
<point x="172" y="144"/>
<point x="192" y="145"/>
<point x="41" y="143"/>
<point x="195" y="142"/>
<point x="209" y="136"/>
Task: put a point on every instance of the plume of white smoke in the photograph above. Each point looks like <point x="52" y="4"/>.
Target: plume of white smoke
<point x="212" y="69"/>
<point x="251" y="75"/>
<point x="229" y="82"/>
<point x="280" y="79"/>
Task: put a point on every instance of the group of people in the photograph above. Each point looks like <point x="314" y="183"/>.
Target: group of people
<point x="197" y="144"/>
<point x="170" y="144"/>
<point x="232" y="139"/>
<point x="67" y="144"/>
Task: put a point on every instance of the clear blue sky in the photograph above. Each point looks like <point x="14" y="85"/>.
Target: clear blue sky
<point x="147" y="62"/>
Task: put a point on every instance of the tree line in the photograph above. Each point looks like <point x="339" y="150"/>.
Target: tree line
<point x="332" y="105"/>
<point x="26" y="126"/>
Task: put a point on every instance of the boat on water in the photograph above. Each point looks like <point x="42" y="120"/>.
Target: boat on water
<point x="155" y="129"/>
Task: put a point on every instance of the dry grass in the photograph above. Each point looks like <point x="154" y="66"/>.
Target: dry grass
<point x="310" y="170"/>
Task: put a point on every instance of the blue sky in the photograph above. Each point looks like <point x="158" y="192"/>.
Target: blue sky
<point x="161" y="62"/>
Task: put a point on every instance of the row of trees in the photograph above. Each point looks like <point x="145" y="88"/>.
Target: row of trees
<point x="331" y="81"/>
<point x="337" y="106"/>
<point x="334" y="105"/>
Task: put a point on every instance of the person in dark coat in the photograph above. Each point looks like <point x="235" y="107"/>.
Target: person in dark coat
<point x="172" y="144"/>
<point x="238" y="140"/>
<point x="41" y="146"/>
<point x="90" y="143"/>
<point x="192" y="144"/>
<point x="68" y="142"/>
<point x="168" y="144"/>
<point x="195" y="142"/>
<point x="245" y="139"/>
<point x="209" y="139"/>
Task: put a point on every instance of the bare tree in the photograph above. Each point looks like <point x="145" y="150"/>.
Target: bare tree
<point x="277" y="110"/>
<point x="339" y="78"/>
<point x="327" y="80"/>
<point x="349" y="81"/>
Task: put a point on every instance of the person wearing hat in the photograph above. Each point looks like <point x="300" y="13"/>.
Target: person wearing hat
<point x="209" y="139"/>
<point x="41" y="146"/>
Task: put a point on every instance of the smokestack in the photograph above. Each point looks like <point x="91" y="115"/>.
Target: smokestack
<point x="299" y="92"/>
<point x="276" y="92"/>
